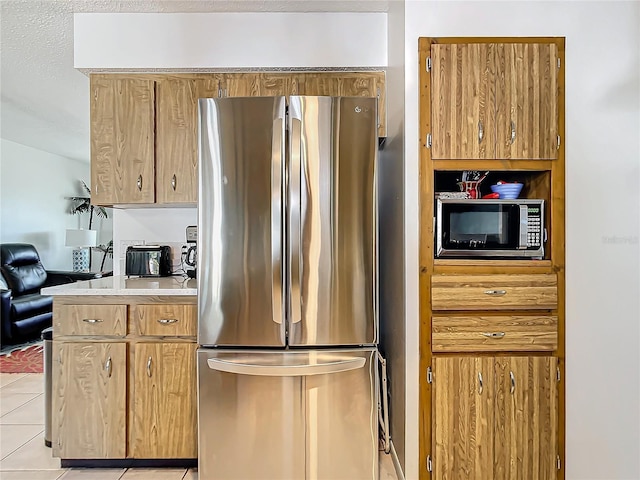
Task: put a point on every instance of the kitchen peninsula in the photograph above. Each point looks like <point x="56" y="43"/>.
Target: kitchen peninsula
<point x="124" y="373"/>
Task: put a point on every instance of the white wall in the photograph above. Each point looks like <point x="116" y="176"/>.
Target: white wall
<point x="229" y="40"/>
<point x="602" y="214"/>
<point x="33" y="187"/>
<point x="151" y="226"/>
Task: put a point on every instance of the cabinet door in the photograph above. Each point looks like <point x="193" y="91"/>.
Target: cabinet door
<point x="164" y="401"/>
<point x="526" y="101"/>
<point x="177" y="136"/>
<point x="89" y="402"/>
<point x="259" y="84"/>
<point x="526" y="418"/>
<point x="462" y="101"/>
<point x="463" y="397"/>
<point x="122" y="140"/>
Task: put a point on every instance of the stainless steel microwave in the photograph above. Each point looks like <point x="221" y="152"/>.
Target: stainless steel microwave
<point x="490" y="228"/>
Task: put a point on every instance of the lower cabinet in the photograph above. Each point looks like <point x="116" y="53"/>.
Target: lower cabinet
<point x="89" y="400"/>
<point x="124" y="393"/>
<point x="495" y="417"/>
<point x="164" y="410"/>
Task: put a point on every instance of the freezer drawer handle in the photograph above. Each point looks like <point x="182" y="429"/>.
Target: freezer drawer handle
<point x="285" y="370"/>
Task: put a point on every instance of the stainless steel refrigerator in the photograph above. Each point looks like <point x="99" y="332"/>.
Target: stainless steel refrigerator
<point x="287" y="288"/>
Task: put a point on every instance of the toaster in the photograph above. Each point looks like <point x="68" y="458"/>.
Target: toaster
<point x="148" y="261"/>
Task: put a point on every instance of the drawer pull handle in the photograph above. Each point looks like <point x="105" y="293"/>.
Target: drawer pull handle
<point x="149" y="367"/>
<point x="513" y="383"/>
<point x="139" y="183"/>
<point x="480" y="384"/>
<point x="166" y="321"/>
<point x="173" y="182"/>
<point x="493" y="334"/>
<point x="107" y="367"/>
<point x="495" y="292"/>
<point x="92" y="320"/>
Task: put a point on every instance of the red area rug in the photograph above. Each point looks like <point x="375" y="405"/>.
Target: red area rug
<point x="23" y="360"/>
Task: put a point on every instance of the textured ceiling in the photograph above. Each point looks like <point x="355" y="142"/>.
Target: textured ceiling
<point x="45" y="101"/>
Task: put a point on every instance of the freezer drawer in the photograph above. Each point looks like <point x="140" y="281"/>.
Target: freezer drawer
<point x="288" y="415"/>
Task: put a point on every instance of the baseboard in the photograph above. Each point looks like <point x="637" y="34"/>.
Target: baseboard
<point x="396" y="462"/>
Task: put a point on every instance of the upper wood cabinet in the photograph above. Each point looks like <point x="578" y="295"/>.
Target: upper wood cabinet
<point x="494" y="100"/>
<point x="347" y="84"/>
<point x="177" y="135"/>
<point x="144" y="126"/>
<point x="122" y="139"/>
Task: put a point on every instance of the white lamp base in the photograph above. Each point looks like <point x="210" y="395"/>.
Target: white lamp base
<point x="81" y="260"/>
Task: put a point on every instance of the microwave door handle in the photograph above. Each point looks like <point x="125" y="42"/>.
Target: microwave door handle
<point x="524" y="227"/>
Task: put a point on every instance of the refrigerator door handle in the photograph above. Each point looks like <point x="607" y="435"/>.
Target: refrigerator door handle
<point x="277" y="158"/>
<point x="243" y="368"/>
<point x="294" y="208"/>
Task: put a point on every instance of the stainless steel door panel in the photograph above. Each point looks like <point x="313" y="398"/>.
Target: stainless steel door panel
<point x="293" y="426"/>
<point x="249" y="427"/>
<point x="341" y="439"/>
<point x="332" y="225"/>
<point x="240" y="227"/>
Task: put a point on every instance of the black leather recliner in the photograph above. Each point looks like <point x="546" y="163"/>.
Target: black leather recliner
<point x="25" y="312"/>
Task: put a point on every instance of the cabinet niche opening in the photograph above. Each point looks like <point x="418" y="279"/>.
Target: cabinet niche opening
<point x="536" y="184"/>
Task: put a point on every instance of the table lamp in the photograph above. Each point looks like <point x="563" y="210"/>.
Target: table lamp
<point x="81" y="239"/>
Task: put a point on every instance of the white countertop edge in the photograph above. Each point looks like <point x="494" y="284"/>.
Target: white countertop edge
<point x="123" y="285"/>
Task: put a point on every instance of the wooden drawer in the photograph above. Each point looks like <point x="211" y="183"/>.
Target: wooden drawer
<point x="85" y="320"/>
<point x="164" y="320"/>
<point x="529" y="333"/>
<point x="494" y="292"/>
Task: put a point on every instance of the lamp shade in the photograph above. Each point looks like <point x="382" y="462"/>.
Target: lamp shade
<point x="81" y="238"/>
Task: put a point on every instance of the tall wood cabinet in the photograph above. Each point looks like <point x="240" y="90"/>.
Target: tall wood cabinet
<point x="124" y="378"/>
<point x="144" y="126"/>
<point x="492" y="334"/>
<point x="494" y="100"/>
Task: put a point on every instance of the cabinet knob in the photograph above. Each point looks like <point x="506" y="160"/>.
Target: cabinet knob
<point x="480" y="383"/>
<point x="107" y="366"/>
<point x="173" y="182"/>
<point x="493" y="334"/>
<point x="513" y="382"/>
<point x="139" y="182"/>
<point x="149" y="367"/>
<point x="92" y="320"/>
<point x="497" y="293"/>
<point x="166" y="321"/>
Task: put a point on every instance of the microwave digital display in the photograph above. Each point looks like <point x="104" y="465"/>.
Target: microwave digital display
<point x="489" y="228"/>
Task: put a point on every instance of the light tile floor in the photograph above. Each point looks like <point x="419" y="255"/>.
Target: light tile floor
<point x="24" y="456"/>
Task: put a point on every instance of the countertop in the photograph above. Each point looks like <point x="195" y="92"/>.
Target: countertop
<point x="123" y="285"/>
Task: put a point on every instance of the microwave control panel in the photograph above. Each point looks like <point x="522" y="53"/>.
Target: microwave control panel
<point x="535" y="228"/>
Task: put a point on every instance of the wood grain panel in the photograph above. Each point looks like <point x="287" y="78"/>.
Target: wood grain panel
<point x="164" y="320"/>
<point x="462" y="101"/>
<point x="527" y="108"/>
<point x="164" y="401"/>
<point x="103" y="140"/>
<point x="482" y="333"/>
<point x="484" y="292"/>
<point x="109" y="320"/>
<point x="463" y="418"/>
<point x="526" y="418"/>
<point x="89" y="400"/>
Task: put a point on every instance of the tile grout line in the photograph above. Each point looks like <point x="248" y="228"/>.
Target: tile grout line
<point x="37" y="395"/>
<point x="18" y="448"/>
